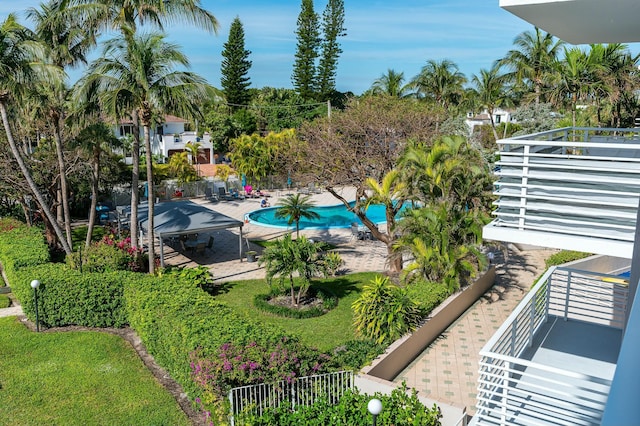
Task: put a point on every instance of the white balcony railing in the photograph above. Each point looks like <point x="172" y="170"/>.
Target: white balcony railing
<point x="571" y="188"/>
<point x="520" y="380"/>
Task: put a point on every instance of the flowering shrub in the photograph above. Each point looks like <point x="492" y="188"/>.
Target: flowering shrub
<point x="109" y="255"/>
<point x="241" y="365"/>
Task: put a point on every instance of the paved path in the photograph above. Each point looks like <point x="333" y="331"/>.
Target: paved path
<point x="447" y="371"/>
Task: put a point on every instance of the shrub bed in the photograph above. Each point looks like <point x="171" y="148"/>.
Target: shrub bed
<point x="4" y="301"/>
<point x="327" y="301"/>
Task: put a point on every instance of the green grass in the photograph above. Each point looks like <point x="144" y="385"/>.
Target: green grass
<point x="77" y="378"/>
<point x="324" y="332"/>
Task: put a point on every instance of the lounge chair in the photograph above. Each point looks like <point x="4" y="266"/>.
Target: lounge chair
<point x="356" y="232"/>
<point x="223" y="195"/>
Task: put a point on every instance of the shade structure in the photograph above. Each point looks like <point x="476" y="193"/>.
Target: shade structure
<point x="178" y="218"/>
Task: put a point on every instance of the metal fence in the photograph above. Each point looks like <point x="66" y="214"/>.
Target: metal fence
<point x="303" y="391"/>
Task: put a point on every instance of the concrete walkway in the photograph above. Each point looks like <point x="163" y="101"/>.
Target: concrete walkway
<point x="447" y="371"/>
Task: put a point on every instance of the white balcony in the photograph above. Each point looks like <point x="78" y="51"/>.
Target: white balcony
<point x="571" y="188"/>
<point x="553" y="360"/>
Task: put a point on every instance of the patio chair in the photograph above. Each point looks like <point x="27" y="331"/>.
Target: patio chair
<point x="223" y="195"/>
<point x="356" y="232"/>
<point x="200" y="248"/>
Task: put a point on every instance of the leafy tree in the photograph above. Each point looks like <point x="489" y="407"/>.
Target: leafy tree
<point x="384" y="312"/>
<point x="17" y="74"/>
<point x="534" y="118"/>
<point x="180" y="168"/>
<point x="308" y="36"/>
<point x="280" y="109"/>
<point x="235" y="67"/>
<point x="531" y="63"/>
<point x="332" y="28"/>
<point x="362" y="142"/>
<point x="295" y="208"/>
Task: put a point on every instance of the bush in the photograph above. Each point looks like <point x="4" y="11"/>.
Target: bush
<point x="5" y="302"/>
<point x="399" y="408"/>
<point x="384" y="312"/>
<point x="427" y="295"/>
<point x="563" y="257"/>
<point x="109" y="255"/>
<point x="355" y="354"/>
<point x="68" y="297"/>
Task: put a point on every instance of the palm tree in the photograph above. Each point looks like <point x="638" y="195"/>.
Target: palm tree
<point x="124" y="16"/>
<point x="296" y="207"/>
<point x="532" y="60"/>
<point x="18" y="64"/>
<point x="390" y="84"/>
<point x="491" y="92"/>
<point x="68" y="41"/>
<point x="576" y="78"/>
<point x="195" y="152"/>
<point x="440" y="81"/>
<point x="95" y="139"/>
<point x="137" y="74"/>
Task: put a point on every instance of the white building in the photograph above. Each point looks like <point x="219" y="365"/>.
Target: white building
<point x="170" y="138"/>
<point x="568" y="354"/>
<point x="478" y="119"/>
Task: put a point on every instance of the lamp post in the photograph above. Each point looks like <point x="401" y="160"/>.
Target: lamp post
<point x="374" y="407"/>
<point x="34" y="285"/>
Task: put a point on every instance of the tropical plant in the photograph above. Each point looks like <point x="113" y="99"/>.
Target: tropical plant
<point x="180" y="168"/>
<point x="21" y="69"/>
<point x="137" y="72"/>
<point x="531" y="62"/>
<point x="491" y="91"/>
<point x="391" y="84"/>
<point x="441" y="82"/>
<point x="384" y="312"/>
<point x="287" y="257"/>
<point x="294" y="208"/>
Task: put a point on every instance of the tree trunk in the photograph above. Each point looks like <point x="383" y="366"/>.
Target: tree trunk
<point x="150" y="198"/>
<point x="135" y="178"/>
<point x="32" y="185"/>
<point x="66" y="211"/>
<point x="95" y="177"/>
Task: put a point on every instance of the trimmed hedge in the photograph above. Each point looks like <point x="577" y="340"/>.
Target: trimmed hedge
<point x="4" y="301"/>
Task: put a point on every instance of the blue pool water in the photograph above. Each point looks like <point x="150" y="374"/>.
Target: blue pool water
<point x="330" y="217"/>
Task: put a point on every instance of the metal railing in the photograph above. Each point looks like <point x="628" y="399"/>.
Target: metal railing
<point x="304" y="391"/>
<point x="514" y="390"/>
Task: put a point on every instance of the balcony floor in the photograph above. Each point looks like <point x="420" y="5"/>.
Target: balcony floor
<point x="572" y="346"/>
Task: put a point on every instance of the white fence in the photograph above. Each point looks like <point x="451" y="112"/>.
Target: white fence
<point x="303" y="391"/>
<point x="513" y="390"/>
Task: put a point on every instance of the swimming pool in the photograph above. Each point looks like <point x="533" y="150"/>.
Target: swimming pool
<point x="336" y="216"/>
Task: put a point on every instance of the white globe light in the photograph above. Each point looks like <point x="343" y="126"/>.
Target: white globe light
<point x="374" y="406"/>
<point x="35" y="284"/>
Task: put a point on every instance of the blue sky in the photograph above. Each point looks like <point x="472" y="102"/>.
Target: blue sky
<point x="381" y="35"/>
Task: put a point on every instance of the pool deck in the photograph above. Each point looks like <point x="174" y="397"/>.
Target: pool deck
<point x="223" y="262"/>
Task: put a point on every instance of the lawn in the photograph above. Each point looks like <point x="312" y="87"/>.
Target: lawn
<point x="77" y="378"/>
<point x="325" y="332"/>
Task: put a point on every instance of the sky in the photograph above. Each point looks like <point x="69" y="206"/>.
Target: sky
<point x="401" y="35"/>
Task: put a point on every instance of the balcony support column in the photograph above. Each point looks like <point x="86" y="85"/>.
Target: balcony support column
<point x="635" y="268"/>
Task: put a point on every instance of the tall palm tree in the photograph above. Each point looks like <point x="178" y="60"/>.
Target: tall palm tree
<point x="20" y="70"/>
<point x="441" y="82"/>
<point x="296" y="207"/>
<point x="531" y="63"/>
<point x="124" y="16"/>
<point x="576" y="78"/>
<point x="490" y="88"/>
<point x="137" y="74"/>
<point x="390" y="84"/>
<point x="194" y="149"/>
<point x="67" y="40"/>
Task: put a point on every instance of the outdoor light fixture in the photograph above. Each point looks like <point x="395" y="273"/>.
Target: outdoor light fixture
<point x="374" y="407"/>
<point x="34" y="285"/>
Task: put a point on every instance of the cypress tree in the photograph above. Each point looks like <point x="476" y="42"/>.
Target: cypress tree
<point x="235" y="67"/>
<point x="333" y="27"/>
<point x="304" y="68"/>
